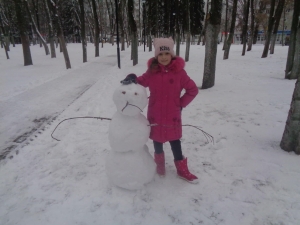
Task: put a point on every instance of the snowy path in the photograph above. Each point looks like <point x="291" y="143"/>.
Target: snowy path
<point x="32" y="109"/>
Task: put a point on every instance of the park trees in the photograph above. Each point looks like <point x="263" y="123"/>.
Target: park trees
<point x="291" y="136"/>
<point x="231" y="32"/>
<point x="22" y="22"/>
<point x="290" y="70"/>
<point x="211" y="36"/>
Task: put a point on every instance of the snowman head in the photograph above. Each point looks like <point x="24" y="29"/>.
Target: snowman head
<point x="130" y="99"/>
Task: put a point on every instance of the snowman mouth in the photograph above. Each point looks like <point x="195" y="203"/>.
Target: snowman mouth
<point x="127" y="104"/>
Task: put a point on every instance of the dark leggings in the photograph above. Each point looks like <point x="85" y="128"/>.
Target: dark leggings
<point x="175" y="146"/>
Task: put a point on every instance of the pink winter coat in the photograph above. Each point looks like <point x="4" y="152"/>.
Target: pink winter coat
<point x="165" y="102"/>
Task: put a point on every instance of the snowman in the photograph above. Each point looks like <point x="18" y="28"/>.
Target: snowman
<point x="129" y="164"/>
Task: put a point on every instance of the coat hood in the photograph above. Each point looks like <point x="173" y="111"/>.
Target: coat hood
<point x="176" y="65"/>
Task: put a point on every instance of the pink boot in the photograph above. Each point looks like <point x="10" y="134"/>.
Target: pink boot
<point x="159" y="159"/>
<point x="183" y="171"/>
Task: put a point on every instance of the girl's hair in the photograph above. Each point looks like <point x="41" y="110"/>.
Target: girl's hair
<point x="154" y="64"/>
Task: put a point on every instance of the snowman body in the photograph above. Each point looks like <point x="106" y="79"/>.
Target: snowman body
<point x="129" y="164"/>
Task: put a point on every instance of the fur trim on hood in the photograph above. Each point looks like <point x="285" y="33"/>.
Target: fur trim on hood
<point x="176" y="65"/>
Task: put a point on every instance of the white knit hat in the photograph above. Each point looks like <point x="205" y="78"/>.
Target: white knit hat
<point x="163" y="45"/>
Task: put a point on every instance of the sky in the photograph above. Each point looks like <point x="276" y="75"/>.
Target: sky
<point x="245" y="178"/>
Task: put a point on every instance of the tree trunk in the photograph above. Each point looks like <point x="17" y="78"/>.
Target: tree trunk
<point x="36" y="29"/>
<point x="295" y="73"/>
<point x="245" y="25"/>
<point x="97" y="30"/>
<point x="282" y="43"/>
<point x="177" y="30"/>
<point x="226" y="26"/>
<point x="83" y="36"/>
<point x="188" y="44"/>
<point x="291" y="135"/>
<point x="205" y="23"/>
<point x="211" y="35"/>
<point x="231" y="32"/>
<point x="292" y="45"/>
<point x="188" y="35"/>
<point x="277" y="16"/>
<point x="36" y="10"/>
<point x="150" y="43"/>
<point x="3" y="42"/>
<point x="133" y="28"/>
<point x="22" y="25"/>
<point x="51" y="32"/>
<point x="250" y="40"/>
<point x="269" y="32"/>
<point x="121" y="19"/>
<point x="60" y="34"/>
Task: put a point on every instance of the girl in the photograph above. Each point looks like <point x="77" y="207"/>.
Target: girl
<point x="166" y="78"/>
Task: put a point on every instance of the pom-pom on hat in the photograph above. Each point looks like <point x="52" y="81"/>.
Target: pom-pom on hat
<point x="163" y="45"/>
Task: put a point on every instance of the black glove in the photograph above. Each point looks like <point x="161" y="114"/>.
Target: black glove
<point x="130" y="78"/>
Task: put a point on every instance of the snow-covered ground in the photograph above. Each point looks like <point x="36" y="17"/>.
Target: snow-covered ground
<point x="244" y="177"/>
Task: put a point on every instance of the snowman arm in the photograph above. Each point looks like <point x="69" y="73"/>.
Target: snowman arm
<point x="191" y="90"/>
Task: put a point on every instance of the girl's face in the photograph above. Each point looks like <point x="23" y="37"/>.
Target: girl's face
<point x="164" y="58"/>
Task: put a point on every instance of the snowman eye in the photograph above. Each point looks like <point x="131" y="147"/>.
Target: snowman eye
<point x="124" y="92"/>
<point x="135" y="93"/>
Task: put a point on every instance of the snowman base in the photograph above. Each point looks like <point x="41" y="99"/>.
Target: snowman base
<point x="130" y="170"/>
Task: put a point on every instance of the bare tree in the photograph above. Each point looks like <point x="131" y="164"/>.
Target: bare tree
<point x="188" y="35"/>
<point x="36" y="28"/>
<point x="83" y="36"/>
<point x="112" y="22"/>
<point x="134" y="35"/>
<point x="122" y="14"/>
<point x="205" y="25"/>
<point x="270" y="28"/>
<point x="22" y="25"/>
<point x="293" y="40"/>
<point x="3" y="33"/>
<point x="57" y="21"/>
<point x="245" y="25"/>
<point x="277" y="16"/>
<point x="231" y="32"/>
<point x="51" y="31"/>
<point x="226" y="26"/>
<point x="252" y="16"/>
<point x="291" y="136"/>
<point x="97" y="30"/>
<point x="37" y="17"/>
<point x="211" y="36"/>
